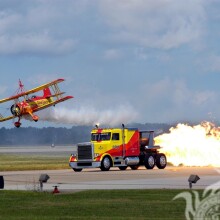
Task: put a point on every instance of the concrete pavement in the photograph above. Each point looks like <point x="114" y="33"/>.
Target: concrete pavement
<point x="68" y="180"/>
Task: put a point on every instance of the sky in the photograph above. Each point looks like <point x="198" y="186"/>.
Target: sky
<point x="124" y="61"/>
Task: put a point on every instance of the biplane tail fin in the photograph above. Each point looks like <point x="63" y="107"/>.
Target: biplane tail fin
<point x="47" y="93"/>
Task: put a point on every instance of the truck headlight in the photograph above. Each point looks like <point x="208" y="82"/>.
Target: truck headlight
<point x="96" y="155"/>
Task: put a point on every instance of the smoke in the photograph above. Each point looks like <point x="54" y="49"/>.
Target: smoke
<point x="89" y="115"/>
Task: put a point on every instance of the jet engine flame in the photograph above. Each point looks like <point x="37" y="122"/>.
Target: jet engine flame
<point x="187" y="145"/>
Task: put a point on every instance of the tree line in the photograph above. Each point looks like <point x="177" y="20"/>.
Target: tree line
<point x="31" y="136"/>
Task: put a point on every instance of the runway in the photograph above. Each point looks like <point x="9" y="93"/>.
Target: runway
<point x="41" y="150"/>
<point x="68" y="180"/>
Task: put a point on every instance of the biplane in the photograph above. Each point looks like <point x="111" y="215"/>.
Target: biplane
<point x="29" y="105"/>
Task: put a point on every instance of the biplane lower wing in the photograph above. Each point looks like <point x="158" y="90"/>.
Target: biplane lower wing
<point x="6" y="118"/>
<point x="54" y="103"/>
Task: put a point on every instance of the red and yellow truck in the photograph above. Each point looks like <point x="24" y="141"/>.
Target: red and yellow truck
<point x="118" y="147"/>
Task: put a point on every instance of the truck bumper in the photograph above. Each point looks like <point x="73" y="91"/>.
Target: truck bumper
<point x="84" y="164"/>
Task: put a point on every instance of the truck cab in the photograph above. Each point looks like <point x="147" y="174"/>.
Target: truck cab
<point x="117" y="147"/>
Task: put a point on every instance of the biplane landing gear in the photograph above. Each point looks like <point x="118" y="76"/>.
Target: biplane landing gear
<point x="17" y="124"/>
<point x="35" y="118"/>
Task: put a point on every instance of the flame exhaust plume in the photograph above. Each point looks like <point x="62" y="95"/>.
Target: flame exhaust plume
<point x="197" y="145"/>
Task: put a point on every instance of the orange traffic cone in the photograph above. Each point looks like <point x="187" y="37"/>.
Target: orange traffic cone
<point x="56" y="190"/>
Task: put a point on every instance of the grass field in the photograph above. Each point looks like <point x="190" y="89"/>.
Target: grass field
<point x="92" y="204"/>
<point x="9" y="162"/>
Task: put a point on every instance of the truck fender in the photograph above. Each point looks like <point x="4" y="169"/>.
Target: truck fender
<point x="101" y="158"/>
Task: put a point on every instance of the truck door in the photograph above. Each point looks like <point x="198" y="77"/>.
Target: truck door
<point x="116" y="144"/>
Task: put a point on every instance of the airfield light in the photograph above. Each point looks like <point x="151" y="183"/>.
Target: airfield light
<point x="192" y="179"/>
<point x="55" y="190"/>
<point x="43" y="179"/>
<point x="1" y="182"/>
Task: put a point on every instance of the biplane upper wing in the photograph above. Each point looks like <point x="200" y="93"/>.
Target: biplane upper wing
<point x="32" y="90"/>
<point x="53" y="103"/>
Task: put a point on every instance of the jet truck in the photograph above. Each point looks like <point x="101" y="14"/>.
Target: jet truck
<point x="118" y="147"/>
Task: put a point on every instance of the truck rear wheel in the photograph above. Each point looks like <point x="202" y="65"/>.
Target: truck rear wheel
<point x="134" y="167"/>
<point x="161" y="161"/>
<point x="149" y="161"/>
<point x="105" y="164"/>
<point x="77" y="169"/>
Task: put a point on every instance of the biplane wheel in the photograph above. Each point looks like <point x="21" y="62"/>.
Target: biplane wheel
<point x="17" y="124"/>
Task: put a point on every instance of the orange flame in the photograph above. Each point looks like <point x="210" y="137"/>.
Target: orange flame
<point x="197" y="145"/>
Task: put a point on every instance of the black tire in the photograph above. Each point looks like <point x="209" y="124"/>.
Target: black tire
<point x="77" y="169"/>
<point x="17" y="124"/>
<point x="161" y="161"/>
<point x="105" y="164"/>
<point x="149" y="161"/>
<point x="134" y="167"/>
<point x="123" y="168"/>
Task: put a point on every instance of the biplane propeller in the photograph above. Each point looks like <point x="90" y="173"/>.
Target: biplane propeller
<point x="29" y="105"/>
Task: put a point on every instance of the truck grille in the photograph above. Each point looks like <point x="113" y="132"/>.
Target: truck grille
<point x="85" y="152"/>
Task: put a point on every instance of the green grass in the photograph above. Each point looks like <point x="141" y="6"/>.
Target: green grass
<point x="13" y="162"/>
<point x="92" y="204"/>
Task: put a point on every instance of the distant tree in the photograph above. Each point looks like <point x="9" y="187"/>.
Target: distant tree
<point x="28" y="136"/>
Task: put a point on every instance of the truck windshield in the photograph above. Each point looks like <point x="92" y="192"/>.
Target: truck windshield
<point x="101" y="136"/>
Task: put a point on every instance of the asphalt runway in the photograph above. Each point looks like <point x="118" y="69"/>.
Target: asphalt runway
<point x="40" y="150"/>
<point x="68" y="180"/>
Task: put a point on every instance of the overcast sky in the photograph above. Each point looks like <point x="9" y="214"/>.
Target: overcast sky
<point x="156" y="61"/>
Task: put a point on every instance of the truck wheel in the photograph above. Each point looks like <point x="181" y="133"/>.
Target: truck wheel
<point x="149" y="161"/>
<point x="161" y="161"/>
<point x="105" y="164"/>
<point x="123" y="168"/>
<point x="77" y="169"/>
<point x="134" y="167"/>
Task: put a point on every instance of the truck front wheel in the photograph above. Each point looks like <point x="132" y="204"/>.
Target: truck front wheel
<point x="122" y="168"/>
<point x="105" y="164"/>
<point x="149" y="161"/>
<point x="77" y="169"/>
<point x="161" y="161"/>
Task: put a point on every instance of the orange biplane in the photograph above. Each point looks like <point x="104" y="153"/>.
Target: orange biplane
<point x="51" y="96"/>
